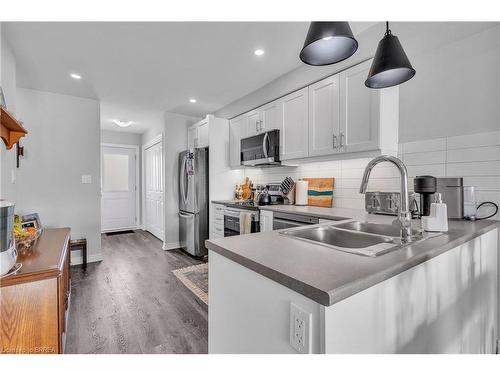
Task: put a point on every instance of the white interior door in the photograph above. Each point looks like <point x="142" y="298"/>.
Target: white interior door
<point x="118" y="188"/>
<point x="153" y="178"/>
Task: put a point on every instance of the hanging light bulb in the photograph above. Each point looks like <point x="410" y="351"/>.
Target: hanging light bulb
<point x="390" y="66"/>
<point x="328" y="43"/>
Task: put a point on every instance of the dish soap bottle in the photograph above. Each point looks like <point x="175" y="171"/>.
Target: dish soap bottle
<point x="437" y="221"/>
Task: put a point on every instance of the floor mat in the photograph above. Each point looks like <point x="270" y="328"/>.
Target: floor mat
<point x="195" y="278"/>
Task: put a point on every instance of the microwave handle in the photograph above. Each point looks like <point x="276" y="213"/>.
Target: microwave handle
<point x="264" y="145"/>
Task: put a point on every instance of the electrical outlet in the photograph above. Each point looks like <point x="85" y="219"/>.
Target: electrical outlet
<point x="86" y="179"/>
<point x="300" y="329"/>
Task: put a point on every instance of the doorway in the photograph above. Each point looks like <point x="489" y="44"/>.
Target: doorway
<point x="154" y="188"/>
<point x="119" y="187"/>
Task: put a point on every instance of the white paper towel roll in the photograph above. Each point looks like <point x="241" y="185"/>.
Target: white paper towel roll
<point x="301" y="188"/>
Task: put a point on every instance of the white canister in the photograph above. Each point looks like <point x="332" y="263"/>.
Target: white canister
<point x="301" y="189"/>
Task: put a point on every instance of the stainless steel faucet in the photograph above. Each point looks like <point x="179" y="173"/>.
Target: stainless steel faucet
<point x="404" y="215"/>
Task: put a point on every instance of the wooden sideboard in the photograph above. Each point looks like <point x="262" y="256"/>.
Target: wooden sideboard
<point x="34" y="302"/>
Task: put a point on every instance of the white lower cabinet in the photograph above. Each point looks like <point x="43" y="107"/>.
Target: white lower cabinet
<point x="266" y="221"/>
<point x="217" y="224"/>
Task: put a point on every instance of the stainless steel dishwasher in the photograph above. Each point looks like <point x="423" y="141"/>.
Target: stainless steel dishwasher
<point x="282" y="220"/>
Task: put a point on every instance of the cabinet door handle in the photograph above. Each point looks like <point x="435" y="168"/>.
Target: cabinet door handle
<point x="341" y="137"/>
<point x="261" y="125"/>
<point x="334" y="141"/>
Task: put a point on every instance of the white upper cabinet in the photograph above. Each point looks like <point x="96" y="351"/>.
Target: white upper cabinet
<point x="198" y="134"/>
<point x="253" y="123"/>
<point x="294" y="133"/>
<point x="203" y="134"/>
<point x="237" y="130"/>
<point x="192" y="136"/>
<point x="271" y="116"/>
<point x="359" y="115"/>
<point x="338" y="117"/>
<point x="324" y="117"/>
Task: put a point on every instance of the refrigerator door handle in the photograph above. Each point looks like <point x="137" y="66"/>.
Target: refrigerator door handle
<point x="183" y="181"/>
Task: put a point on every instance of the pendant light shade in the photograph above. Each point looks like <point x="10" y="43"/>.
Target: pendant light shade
<point x="328" y="43"/>
<point x="390" y="66"/>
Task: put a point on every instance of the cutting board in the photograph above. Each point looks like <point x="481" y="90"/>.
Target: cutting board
<point x="320" y="191"/>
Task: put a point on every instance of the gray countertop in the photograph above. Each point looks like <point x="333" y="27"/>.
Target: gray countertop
<point x="326" y="275"/>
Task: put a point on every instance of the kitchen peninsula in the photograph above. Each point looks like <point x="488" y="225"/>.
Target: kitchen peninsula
<point x="438" y="295"/>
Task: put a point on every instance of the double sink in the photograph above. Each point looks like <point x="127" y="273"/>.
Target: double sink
<point x="362" y="238"/>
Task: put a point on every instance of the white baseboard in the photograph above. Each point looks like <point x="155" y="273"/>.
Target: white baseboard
<point x="91" y="258"/>
<point x="171" y="245"/>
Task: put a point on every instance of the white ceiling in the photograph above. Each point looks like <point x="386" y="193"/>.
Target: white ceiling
<point x="138" y="70"/>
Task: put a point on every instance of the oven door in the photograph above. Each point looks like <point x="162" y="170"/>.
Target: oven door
<point x="231" y="226"/>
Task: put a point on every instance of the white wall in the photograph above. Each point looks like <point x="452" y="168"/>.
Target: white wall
<point x="8" y="73"/>
<point x="174" y="129"/>
<point x="8" y="83"/>
<point x="109" y="136"/>
<point x="455" y="90"/>
<point x="62" y="144"/>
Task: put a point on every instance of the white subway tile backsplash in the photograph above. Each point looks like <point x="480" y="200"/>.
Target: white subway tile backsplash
<point x="438" y="144"/>
<point x="474" y="140"/>
<point x="353" y="203"/>
<point x="473" y="154"/>
<point x="491" y="183"/>
<point x="475" y="157"/>
<point x="424" y="158"/>
<point x="480" y="168"/>
<point x="437" y="170"/>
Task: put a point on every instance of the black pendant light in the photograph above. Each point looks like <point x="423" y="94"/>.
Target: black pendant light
<point x="328" y="43"/>
<point x="390" y="66"/>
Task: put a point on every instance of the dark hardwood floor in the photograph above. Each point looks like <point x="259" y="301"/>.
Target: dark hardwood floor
<point x="131" y="302"/>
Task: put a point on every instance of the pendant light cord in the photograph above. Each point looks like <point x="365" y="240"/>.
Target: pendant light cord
<point x="387" y="30"/>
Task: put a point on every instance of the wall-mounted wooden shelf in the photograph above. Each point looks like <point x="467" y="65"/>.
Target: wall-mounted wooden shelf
<point x="11" y="130"/>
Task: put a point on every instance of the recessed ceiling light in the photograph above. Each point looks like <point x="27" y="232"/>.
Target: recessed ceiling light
<point x="123" y="124"/>
<point x="75" y="76"/>
<point x="259" y="52"/>
<point x="192" y="100"/>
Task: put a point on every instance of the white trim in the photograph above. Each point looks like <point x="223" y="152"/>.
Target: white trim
<point x="171" y="245"/>
<point x="91" y="258"/>
<point x="152" y="142"/>
<point x="158" y="139"/>
<point x="137" y="180"/>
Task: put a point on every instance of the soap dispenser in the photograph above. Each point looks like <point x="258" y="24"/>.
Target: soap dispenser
<point x="437" y="221"/>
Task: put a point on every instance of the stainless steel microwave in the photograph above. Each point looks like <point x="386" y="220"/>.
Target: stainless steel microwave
<point x="261" y="150"/>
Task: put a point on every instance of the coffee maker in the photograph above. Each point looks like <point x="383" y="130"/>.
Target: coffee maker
<point x="8" y="253"/>
<point x="426" y="186"/>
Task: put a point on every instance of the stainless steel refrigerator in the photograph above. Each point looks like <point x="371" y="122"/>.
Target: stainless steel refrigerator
<point x="193" y="200"/>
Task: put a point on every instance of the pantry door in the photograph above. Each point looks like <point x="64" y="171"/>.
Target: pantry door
<point x="118" y="187"/>
<point x="153" y="186"/>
